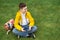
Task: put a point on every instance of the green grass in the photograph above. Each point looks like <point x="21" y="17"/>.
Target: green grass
<point x="45" y="12"/>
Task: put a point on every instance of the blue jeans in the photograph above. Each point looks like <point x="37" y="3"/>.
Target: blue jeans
<point x="25" y="33"/>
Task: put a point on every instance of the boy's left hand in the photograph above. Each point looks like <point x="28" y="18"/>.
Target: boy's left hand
<point x="29" y="28"/>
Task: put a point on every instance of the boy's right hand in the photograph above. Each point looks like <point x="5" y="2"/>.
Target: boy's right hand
<point x="23" y="30"/>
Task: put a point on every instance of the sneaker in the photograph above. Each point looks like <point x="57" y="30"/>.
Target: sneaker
<point x="32" y="35"/>
<point x="18" y="36"/>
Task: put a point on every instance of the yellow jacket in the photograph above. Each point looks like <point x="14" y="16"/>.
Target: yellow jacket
<point x="19" y="19"/>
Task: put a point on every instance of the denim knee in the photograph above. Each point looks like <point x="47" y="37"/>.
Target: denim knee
<point x="35" y="28"/>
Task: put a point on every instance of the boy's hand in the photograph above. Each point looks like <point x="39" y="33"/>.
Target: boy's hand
<point x="22" y="30"/>
<point x="29" y="28"/>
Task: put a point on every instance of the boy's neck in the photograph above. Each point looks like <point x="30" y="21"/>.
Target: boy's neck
<point x="22" y="12"/>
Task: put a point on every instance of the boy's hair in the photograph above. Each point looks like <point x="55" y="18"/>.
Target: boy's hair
<point x="21" y="5"/>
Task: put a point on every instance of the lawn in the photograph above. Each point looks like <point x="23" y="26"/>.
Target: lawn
<point x="45" y="12"/>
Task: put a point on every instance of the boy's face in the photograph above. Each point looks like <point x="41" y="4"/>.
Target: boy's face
<point x="24" y="9"/>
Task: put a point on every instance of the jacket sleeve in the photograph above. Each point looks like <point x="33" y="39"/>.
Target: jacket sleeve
<point x="16" y="25"/>
<point x="31" y="20"/>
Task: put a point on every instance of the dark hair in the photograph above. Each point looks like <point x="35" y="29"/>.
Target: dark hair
<point x="21" y="5"/>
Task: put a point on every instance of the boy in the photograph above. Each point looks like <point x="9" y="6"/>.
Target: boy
<point x="24" y="22"/>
